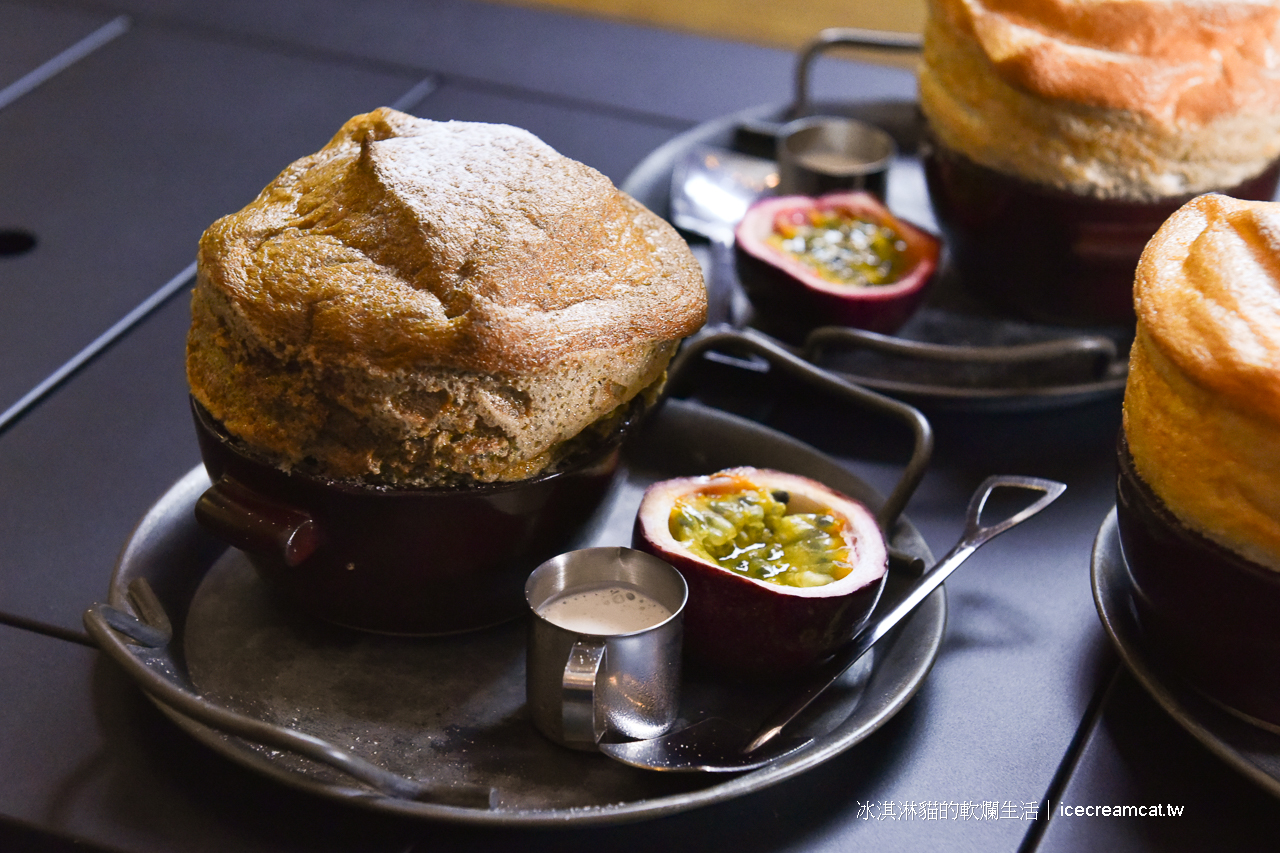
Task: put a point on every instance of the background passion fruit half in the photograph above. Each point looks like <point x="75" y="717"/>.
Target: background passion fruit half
<point x="725" y="532"/>
<point x="840" y="259"/>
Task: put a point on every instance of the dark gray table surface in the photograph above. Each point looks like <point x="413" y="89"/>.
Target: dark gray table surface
<point x="35" y="37"/>
<point x="118" y="162"/>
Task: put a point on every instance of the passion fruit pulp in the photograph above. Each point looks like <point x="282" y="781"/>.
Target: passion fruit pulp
<point x="781" y="569"/>
<point x="840" y="259"/>
<point x="750" y="531"/>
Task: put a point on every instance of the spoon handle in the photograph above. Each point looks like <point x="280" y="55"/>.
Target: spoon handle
<point x="975" y="535"/>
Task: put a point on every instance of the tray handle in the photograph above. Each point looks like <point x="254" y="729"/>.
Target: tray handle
<point x="759" y="136"/>
<point x="1103" y="350"/>
<point x="752" y="341"/>
<point x="842" y="37"/>
<point x="142" y="649"/>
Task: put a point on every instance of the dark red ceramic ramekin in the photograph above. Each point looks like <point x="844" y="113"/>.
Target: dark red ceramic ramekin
<point x="401" y="561"/>
<point x="1213" y="615"/>
<point x="1046" y="254"/>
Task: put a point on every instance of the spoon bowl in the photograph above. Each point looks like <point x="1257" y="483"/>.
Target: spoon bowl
<point x="713" y="745"/>
<point x="711" y="189"/>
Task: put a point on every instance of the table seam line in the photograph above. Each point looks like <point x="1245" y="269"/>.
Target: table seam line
<point x="49" y="630"/>
<point x="29" y="401"/>
<point x="1070" y="760"/>
<point x="282" y="46"/>
<point x="64" y="59"/>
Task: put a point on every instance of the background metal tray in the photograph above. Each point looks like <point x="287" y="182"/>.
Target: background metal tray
<point x="451" y="710"/>
<point x="998" y="376"/>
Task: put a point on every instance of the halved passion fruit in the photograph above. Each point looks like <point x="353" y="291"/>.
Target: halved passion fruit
<point x="836" y="260"/>
<point x="781" y="569"/>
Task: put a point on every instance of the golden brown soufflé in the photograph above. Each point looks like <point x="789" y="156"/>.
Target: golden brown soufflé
<point x="1127" y="99"/>
<point x="425" y="304"/>
<point x="1202" y="404"/>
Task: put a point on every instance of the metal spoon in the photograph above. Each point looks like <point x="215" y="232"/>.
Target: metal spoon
<point x="717" y="745"/>
<point x="711" y="189"/>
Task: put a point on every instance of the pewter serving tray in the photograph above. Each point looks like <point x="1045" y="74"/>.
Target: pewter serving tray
<point x="1249" y="749"/>
<point x="1078" y="365"/>
<point x="451" y="710"/>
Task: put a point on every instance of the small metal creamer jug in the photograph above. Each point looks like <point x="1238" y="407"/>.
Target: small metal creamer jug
<point x="583" y="683"/>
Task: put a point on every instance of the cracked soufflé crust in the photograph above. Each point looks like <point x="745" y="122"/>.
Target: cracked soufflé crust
<point x="1129" y="99"/>
<point x="426" y="303"/>
<point x="1202" y="402"/>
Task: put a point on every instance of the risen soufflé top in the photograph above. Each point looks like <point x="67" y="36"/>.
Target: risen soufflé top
<point x="1202" y="403"/>
<point x="429" y="303"/>
<point x="1133" y="99"/>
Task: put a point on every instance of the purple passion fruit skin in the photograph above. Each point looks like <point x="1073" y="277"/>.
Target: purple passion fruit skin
<point x="828" y="567"/>
<point x="840" y="259"/>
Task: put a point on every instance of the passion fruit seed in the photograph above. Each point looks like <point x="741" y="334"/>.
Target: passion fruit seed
<point x="750" y="532"/>
<point x="840" y="247"/>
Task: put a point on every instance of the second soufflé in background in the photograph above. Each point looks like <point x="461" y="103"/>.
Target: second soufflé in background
<point x="432" y="303"/>
<point x="1130" y="99"/>
<point x="1198" y="491"/>
<point x="1062" y="133"/>
<point x="1202" y="404"/>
